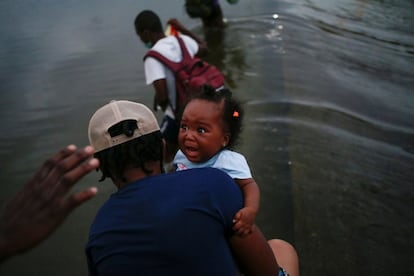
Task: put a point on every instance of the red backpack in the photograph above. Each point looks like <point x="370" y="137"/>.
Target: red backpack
<point x="191" y="74"/>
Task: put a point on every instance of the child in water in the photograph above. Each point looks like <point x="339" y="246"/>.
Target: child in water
<point x="209" y="11"/>
<point x="210" y="126"/>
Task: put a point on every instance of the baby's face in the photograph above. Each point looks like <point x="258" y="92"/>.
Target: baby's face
<point x="202" y="133"/>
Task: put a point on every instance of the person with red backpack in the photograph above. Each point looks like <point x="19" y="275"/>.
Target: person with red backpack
<point x="150" y="30"/>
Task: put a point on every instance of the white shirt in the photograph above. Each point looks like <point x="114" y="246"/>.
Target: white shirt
<point x="155" y="70"/>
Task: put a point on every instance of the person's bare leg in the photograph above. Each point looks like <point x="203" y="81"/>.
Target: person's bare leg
<point x="286" y="256"/>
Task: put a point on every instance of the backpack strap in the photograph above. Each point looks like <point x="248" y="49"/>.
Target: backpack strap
<point x="173" y="66"/>
<point x="186" y="55"/>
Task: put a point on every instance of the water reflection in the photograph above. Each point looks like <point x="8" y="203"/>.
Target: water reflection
<point x="227" y="52"/>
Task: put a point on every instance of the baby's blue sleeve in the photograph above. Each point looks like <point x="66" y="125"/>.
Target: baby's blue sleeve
<point x="180" y="161"/>
<point x="234" y="164"/>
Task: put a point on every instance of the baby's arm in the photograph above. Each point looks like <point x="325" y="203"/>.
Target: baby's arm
<point x="245" y="217"/>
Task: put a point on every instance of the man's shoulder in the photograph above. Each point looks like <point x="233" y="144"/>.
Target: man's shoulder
<point x="203" y="176"/>
<point x="168" y="47"/>
<point x="171" y="43"/>
<point x="207" y="172"/>
<point x="208" y="180"/>
<point x="187" y="38"/>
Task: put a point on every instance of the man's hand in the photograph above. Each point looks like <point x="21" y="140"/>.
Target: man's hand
<point x="43" y="203"/>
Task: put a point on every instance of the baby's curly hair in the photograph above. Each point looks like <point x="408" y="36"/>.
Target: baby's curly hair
<point x="233" y="112"/>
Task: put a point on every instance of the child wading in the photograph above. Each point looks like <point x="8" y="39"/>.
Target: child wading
<point x="210" y="126"/>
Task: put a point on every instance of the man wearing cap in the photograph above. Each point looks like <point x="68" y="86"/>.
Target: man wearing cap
<point x="167" y="224"/>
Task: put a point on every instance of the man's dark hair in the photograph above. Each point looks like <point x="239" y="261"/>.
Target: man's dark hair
<point x="135" y="153"/>
<point x="148" y="20"/>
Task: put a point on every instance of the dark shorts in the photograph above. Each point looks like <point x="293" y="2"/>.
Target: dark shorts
<point x="169" y="128"/>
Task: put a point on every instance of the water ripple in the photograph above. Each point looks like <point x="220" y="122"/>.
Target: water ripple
<point x="334" y="119"/>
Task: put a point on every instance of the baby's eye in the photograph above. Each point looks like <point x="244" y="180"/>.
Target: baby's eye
<point x="201" y="130"/>
<point x="184" y="127"/>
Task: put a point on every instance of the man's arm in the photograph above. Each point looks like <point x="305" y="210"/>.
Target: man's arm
<point x="161" y="94"/>
<point x="43" y="203"/>
<point x="253" y="254"/>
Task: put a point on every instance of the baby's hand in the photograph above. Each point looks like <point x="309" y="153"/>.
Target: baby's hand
<point x="243" y="221"/>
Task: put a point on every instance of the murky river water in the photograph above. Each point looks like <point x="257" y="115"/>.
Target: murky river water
<point x="329" y="132"/>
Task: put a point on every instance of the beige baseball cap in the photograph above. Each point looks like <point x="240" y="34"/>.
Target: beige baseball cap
<point x="116" y="112"/>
